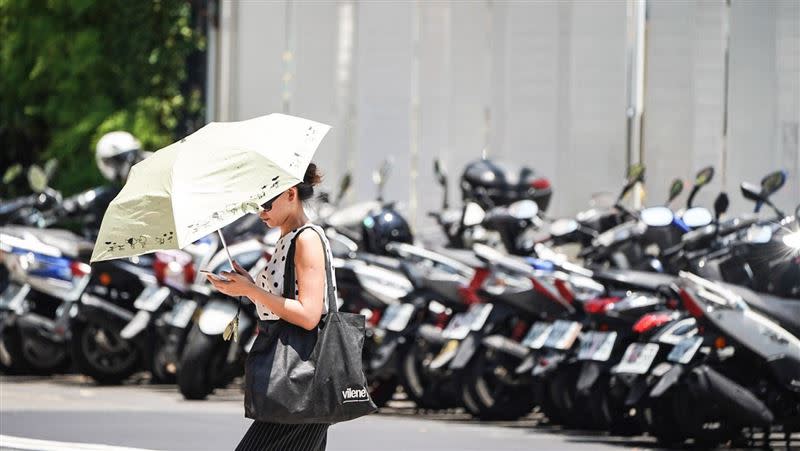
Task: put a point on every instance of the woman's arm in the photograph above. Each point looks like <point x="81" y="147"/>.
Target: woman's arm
<point x="305" y="309"/>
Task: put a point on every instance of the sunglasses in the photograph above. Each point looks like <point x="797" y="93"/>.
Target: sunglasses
<point x="267" y="206"/>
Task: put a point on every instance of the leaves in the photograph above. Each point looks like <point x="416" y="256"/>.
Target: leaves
<point x="74" y="69"/>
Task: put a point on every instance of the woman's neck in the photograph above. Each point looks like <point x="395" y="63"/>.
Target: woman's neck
<point x="293" y="222"/>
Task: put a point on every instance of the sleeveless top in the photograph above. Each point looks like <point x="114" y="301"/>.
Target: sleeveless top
<point x="271" y="278"/>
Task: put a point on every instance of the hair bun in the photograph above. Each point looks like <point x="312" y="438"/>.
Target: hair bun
<point x="312" y="177"/>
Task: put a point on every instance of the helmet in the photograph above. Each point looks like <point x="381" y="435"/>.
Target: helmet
<point x="115" y="153"/>
<point x="383" y="226"/>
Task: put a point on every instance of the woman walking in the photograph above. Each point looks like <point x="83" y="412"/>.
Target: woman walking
<point x="304" y="307"/>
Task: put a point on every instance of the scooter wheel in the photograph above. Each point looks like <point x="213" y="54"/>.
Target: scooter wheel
<point x="202" y="362"/>
<point x="100" y="353"/>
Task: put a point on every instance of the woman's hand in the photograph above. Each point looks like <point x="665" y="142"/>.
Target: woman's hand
<point x="238" y="268"/>
<point x="237" y="284"/>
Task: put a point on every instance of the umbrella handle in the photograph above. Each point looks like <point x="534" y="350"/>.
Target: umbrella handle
<point x="230" y="260"/>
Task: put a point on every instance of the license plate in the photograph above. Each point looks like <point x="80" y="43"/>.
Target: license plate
<point x="638" y="358"/>
<point x="597" y="346"/>
<point x="537" y="335"/>
<point x="151" y="298"/>
<point x="685" y="350"/>
<point x="478" y="314"/>
<point x="11" y="298"/>
<point x="563" y="335"/>
<point x="396" y="317"/>
<point x="457" y="328"/>
<point x="183" y="312"/>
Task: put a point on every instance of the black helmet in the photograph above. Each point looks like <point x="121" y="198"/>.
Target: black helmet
<point x="382" y="227"/>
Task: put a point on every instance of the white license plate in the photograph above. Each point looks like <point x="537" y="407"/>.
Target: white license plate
<point x="457" y="328"/>
<point x="563" y="335"/>
<point x="151" y="298"/>
<point x="396" y="317"/>
<point x="478" y="314"/>
<point x="11" y="298"/>
<point x="638" y="358"/>
<point x="183" y="313"/>
<point x="685" y="350"/>
<point x="597" y="346"/>
<point x="537" y="335"/>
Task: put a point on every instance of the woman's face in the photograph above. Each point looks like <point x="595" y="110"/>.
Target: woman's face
<point x="274" y="212"/>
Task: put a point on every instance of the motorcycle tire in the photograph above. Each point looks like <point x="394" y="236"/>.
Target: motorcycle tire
<point x="202" y="364"/>
<point x="493" y="399"/>
<point x="109" y="366"/>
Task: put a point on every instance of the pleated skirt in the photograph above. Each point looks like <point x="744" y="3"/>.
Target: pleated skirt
<point x="284" y="437"/>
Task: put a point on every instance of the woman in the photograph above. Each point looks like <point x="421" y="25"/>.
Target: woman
<point x="304" y="309"/>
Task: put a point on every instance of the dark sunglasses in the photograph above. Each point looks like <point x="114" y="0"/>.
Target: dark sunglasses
<point x="267" y="206"/>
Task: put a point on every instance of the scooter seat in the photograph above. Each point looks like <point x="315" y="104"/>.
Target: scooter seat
<point x="68" y="243"/>
<point x="783" y="310"/>
<point x="642" y="280"/>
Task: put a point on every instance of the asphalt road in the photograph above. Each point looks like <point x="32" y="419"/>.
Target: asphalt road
<point x="71" y="413"/>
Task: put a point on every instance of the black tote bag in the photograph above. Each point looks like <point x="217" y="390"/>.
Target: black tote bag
<point x="297" y="376"/>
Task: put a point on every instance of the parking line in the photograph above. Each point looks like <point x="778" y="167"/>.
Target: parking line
<point x="22" y="443"/>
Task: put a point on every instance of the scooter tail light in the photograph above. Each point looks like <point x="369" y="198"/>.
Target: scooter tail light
<point x="79" y="268"/>
<point x="470" y="292"/>
<point x="375" y="318"/>
<point x="564" y="291"/>
<point x="691" y="304"/>
<point x="160" y="270"/>
<point x="519" y="330"/>
<point x="720" y="342"/>
<point x="599" y="305"/>
<point x="189" y="273"/>
<point x="540" y="183"/>
<point x="650" y="321"/>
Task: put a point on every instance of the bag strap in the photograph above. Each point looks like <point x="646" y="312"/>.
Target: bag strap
<point x="289" y="273"/>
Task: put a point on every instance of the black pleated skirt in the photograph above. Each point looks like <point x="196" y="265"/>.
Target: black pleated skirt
<point x="284" y="437"/>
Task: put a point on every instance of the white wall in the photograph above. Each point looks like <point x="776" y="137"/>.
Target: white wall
<point x="543" y="83"/>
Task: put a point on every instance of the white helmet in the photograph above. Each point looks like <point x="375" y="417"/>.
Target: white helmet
<point x="115" y="153"/>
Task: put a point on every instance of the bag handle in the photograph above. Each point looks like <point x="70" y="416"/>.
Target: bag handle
<point x="288" y="272"/>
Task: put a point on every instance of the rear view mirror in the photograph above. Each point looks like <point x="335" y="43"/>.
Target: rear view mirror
<point x="438" y="169"/>
<point x="751" y="192"/>
<point x="635" y="173"/>
<point x="772" y="182"/>
<point x="37" y="179"/>
<point x="344" y="185"/>
<point x="675" y="189"/>
<point x="721" y="204"/>
<point x="704" y="176"/>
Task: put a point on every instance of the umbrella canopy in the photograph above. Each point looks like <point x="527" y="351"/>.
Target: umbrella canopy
<point x="206" y="181"/>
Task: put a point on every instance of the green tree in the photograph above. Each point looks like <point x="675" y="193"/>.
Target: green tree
<point x="72" y="70"/>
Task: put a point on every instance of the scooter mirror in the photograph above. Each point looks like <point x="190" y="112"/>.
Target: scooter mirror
<point x="11" y="173"/>
<point x="473" y="214"/>
<point x="751" y="192"/>
<point x="37" y="179"/>
<point x="772" y="182"/>
<point x="523" y="209"/>
<point x="635" y="173"/>
<point x="704" y="176"/>
<point x="344" y="185"/>
<point x="441" y="175"/>
<point x="675" y="189"/>
<point x="721" y="204"/>
<point x="657" y="216"/>
<point x="697" y="217"/>
<point x="50" y="168"/>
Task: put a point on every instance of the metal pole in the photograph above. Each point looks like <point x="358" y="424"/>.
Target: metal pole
<point x="230" y="260"/>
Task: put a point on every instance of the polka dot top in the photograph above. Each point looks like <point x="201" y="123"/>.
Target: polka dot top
<point x="271" y="277"/>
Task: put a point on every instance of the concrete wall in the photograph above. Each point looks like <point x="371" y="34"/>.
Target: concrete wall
<point x="542" y="83"/>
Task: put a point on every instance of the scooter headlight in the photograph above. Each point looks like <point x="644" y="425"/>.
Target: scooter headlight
<point x="792" y="240"/>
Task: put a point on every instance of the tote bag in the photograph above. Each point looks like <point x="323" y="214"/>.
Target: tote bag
<point x="294" y="376"/>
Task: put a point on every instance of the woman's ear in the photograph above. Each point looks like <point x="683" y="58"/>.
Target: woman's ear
<point x="292" y="193"/>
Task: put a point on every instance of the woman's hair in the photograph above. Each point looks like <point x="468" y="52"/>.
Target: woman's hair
<point x="312" y="178"/>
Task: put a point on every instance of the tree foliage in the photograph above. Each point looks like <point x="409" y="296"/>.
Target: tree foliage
<point x="71" y="70"/>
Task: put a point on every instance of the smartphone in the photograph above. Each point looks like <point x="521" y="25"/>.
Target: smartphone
<point x="215" y="275"/>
